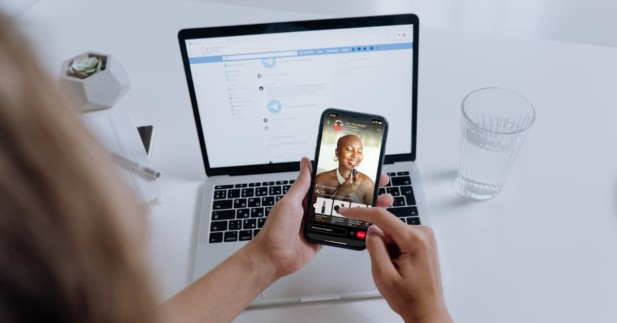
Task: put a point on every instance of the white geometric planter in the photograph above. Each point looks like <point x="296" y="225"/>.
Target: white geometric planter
<point x="100" y="90"/>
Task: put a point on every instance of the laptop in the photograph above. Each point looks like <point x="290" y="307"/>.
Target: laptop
<point x="257" y="93"/>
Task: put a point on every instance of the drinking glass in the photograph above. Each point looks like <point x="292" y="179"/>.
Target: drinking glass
<point x="494" y="124"/>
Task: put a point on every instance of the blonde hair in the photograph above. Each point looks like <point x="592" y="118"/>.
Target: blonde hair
<point x="66" y="254"/>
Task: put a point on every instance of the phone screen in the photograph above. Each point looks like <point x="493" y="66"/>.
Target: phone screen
<point x="349" y="155"/>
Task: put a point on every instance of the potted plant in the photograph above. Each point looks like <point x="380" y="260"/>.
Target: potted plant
<point x="95" y="81"/>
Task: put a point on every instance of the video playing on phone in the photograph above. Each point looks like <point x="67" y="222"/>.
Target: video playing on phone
<point x="348" y="164"/>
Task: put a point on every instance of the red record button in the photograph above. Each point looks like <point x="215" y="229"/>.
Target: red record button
<point x="361" y="234"/>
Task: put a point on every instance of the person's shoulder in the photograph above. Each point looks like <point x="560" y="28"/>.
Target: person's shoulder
<point x="326" y="177"/>
<point x="327" y="173"/>
<point x="365" y="179"/>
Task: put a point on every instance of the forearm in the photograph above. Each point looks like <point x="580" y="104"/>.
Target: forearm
<point x="224" y="292"/>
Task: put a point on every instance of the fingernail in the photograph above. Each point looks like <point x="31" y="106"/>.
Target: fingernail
<point x="371" y="229"/>
<point x="304" y="165"/>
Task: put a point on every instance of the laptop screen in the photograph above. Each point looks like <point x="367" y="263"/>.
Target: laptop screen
<point x="258" y="91"/>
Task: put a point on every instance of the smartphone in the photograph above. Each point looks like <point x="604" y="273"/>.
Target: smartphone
<point x="146" y="133"/>
<point x="346" y="170"/>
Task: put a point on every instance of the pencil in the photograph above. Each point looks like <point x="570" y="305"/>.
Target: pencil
<point x="137" y="167"/>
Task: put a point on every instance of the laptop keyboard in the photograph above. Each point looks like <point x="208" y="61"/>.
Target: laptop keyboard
<point x="239" y="211"/>
<point x="404" y="206"/>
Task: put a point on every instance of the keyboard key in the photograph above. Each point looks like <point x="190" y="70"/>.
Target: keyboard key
<point x="257" y="212"/>
<point x="254" y="202"/>
<point x="399" y="201"/>
<point x="404" y="211"/>
<point x="235" y="225"/>
<point x="223" y="187"/>
<point x="222" y="204"/>
<point x="402" y="173"/>
<point x="239" y="203"/>
<point x="394" y="191"/>
<point x="246" y="235"/>
<point x="278" y="198"/>
<point x="261" y="191"/>
<point x="382" y="190"/>
<point x="275" y="190"/>
<point x="251" y="184"/>
<point x="267" y="210"/>
<point x="261" y="222"/>
<point x="407" y="191"/>
<point x="255" y="232"/>
<point x="216" y="237"/>
<point x="267" y="201"/>
<point x="224" y="215"/>
<point x="241" y="185"/>
<point x="248" y="192"/>
<point x="220" y="194"/>
<point x="242" y="213"/>
<point x="231" y="236"/>
<point x="414" y="220"/>
<point x="218" y="226"/>
<point x="399" y="181"/>
<point x="391" y="174"/>
<point x="232" y="194"/>
<point x="249" y="224"/>
<point x="286" y="188"/>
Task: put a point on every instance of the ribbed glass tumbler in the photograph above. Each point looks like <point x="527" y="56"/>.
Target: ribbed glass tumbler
<point x="494" y="124"/>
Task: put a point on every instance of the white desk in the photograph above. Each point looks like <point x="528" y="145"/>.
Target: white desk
<point x="545" y="250"/>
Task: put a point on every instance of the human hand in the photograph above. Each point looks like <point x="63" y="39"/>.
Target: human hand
<point x="278" y="250"/>
<point x="350" y="185"/>
<point x="280" y="241"/>
<point x="359" y="187"/>
<point x="405" y="265"/>
<point x="353" y="177"/>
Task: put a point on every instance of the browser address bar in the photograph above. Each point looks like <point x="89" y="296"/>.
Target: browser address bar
<point x="259" y="55"/>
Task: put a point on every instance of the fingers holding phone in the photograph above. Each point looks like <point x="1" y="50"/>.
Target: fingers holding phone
<point x="354" y="175"/>
<point x="280" y="241"/>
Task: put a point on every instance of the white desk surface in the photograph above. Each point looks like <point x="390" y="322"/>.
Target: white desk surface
<point x="545" y="250"/>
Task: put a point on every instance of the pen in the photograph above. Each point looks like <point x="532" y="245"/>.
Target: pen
<point x="136" y="166"/>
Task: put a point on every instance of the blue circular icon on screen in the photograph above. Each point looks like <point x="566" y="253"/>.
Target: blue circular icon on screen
<point x="275" y="106"/>
<point x="268" y="62"/>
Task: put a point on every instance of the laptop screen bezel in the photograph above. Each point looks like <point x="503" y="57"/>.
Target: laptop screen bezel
<point x="285" y="27"/>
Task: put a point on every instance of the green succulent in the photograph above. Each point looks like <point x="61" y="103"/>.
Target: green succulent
<point x="85" y="65"/>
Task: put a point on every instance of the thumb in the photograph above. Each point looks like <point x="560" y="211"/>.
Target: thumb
<point x="303" y="181"/>
<point x="351" y="179"/>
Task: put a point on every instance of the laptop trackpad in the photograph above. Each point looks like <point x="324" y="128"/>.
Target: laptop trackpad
<point x="333" y="272"/>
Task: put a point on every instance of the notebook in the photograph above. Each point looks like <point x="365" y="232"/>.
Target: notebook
<point x="257" y="93"/>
